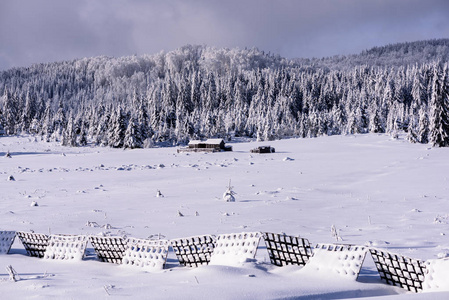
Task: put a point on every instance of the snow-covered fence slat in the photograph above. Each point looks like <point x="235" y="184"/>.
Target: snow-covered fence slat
<point x="287" y="250"/>
<point x="34" y="243"/>
<point x="398" y="270"/>
<point x="436" y="275"/>
<point x="193" y="251"/>
<point x="151" y="255"/>
<point x="66" y="247"/>
<point x="6" y="241"/>
<point x="344" y="260"/>
<point x="109" y="248"/>
<point x="235" y="248"/>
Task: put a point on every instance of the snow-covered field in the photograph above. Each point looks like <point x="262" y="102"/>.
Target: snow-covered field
<point x="376" y="191"/>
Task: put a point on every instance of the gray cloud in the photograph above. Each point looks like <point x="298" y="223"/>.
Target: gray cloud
<point x="33" y="31"/>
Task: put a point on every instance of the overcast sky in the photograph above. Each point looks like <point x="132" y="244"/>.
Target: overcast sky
<point x="34" y="31"/>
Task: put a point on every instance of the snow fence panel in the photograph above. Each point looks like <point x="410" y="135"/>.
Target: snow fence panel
<point x="343" y="260"/>
<point x="6" y="241"/>
<point x="287" y="250"/>
<point x="194" y="251"/>
<point x="109" y="248"/>
<point x="66" y="247"/>
<point x="34" y="243"/>
<point x="151" y="255"/>
<point x="398" y="270"/>
<point x="436" y="277"/>
<point x="235" y="248"/>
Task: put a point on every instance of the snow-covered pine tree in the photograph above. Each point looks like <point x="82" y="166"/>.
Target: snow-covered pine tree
<point x="28" y="113"/>
<point x="439" y="108"/>
<point x="69" y="135"/>
<point x="133" y="137"/>
<point x="47" y="125"/>
<point x="10" y="112"/>
<point x="59" y="122"/>
<point x="423" y="126"/>
<point x="117" y="128"/>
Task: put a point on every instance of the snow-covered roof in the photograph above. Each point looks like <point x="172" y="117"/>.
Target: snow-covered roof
<point x="208" y="141"/>
<point x="213" y="141"/>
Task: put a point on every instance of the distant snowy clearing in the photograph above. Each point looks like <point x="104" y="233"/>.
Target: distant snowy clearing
<point x="375" y="191"/>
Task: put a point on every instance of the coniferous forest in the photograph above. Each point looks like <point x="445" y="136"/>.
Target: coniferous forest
<point x="200" y="92"/>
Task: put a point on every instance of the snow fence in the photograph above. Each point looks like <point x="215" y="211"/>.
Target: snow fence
<point x="194" y="251"/>
<point x="237" y="248"/>
<point x="109" y="248"/>
<point x="6" y="241"/>
<point x="287" y="250"/>
<point x="66" y="247"/>
<point x="342" y="260"/>
<point x="436" y="278"/>
<point x="399" y="270"/>
<point x="150" y="255"/>
<point x="34" y="243"/>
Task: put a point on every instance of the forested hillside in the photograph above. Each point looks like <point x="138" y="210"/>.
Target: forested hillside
<point x="199" y="92"/>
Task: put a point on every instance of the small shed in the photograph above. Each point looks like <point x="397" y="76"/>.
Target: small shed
<point x="263" y="149"/>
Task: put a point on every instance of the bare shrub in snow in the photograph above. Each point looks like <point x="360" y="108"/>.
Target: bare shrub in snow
<point x="335" y="233"/>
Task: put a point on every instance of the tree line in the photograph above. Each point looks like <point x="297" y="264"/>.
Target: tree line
<point x="200" y="92"/>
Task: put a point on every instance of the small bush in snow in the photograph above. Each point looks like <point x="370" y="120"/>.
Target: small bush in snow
<point x="228" y="195"/>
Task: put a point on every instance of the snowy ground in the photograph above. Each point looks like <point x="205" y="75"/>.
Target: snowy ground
<point x="376" y="191"/>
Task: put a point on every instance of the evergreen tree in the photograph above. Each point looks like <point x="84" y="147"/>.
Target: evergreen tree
<point x="28" y="114"/>
<point x="423" y="126"/>
<point x="10" y="112"/>
<point x="439" y="119"/>
<point x="117" y="128"/>
<point x="69" y="135"/>
<point x="59" y="121"/>
<point x="133" y="137"/>
<point x="47" y="126"/>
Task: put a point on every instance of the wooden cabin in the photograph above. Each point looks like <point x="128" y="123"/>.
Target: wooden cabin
<point x="210" y="145"/>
